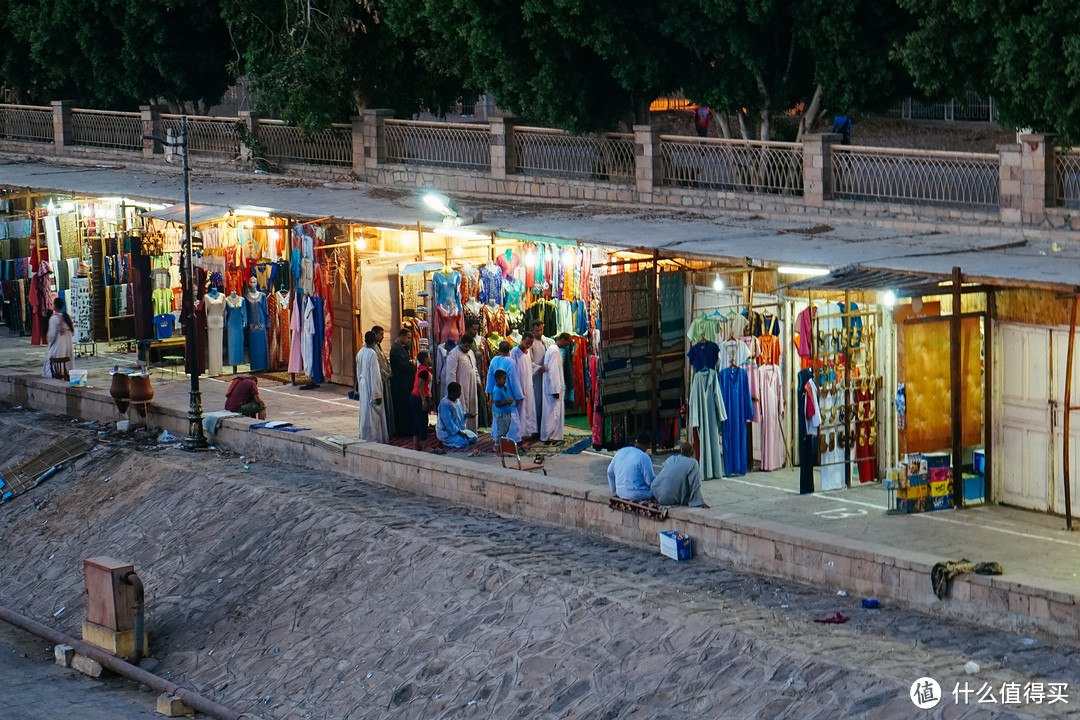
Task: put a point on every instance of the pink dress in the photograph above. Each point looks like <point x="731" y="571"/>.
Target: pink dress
<point x="296" y="325"/>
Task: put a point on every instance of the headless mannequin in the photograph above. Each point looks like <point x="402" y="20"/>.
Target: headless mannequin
<point x="214" y="305"/>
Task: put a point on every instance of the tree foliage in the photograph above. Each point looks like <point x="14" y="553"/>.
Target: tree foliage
<point x="117" y="54"/>
<point x="1025" y="54"/>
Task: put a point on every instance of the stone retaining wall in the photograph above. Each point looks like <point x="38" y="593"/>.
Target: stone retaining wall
<point x="898" y="578"/>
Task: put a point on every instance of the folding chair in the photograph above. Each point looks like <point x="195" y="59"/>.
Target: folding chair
<point x="59" y="368"/>
<point x="509" y="449"/>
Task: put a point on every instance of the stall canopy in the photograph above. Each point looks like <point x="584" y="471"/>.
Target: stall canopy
<point x="199" y="213"/>
<point x="859" y="278"/>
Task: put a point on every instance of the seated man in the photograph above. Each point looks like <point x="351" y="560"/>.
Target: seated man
<point x="243" y="397"/>
<point x="677" y="482"/>
<point x="630" y="473"/>
<point x="450" y="425"/>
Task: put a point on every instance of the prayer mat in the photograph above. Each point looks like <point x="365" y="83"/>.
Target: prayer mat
<point x="483" y="445"/>
<point x="283" y="377"/>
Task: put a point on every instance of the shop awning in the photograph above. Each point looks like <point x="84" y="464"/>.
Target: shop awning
<point x="859" y="278"/>
<point x="199" y="213"/>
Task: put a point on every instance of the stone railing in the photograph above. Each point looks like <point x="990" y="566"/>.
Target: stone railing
<point x="1027" y="184"/>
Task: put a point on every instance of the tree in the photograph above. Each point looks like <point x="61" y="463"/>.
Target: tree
<point x="117" y="54"/>
<point x="315" y="63"/>
<point x="1026" y="55"/>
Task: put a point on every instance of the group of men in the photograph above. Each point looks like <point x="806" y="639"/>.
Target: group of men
<point x="525" y="386"/>
<point x="631" y="476"/>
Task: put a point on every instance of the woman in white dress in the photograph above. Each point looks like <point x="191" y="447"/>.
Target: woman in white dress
<point x="61" y="329"/>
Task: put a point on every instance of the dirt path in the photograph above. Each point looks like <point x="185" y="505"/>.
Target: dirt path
<point x="303" y="595"/>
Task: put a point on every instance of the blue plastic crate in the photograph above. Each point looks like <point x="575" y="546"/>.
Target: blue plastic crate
<point x="974" y="486"/>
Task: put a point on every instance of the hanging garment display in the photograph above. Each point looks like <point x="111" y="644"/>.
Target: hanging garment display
<point x="214" y="307"/>
<point x="257" y="319"/>
<point x="707" y="414"/>
<point x="809" y="421"/>
<point x="735" y="388"/>
<point x="235" y="320"/>
<point x="771" y="405"/>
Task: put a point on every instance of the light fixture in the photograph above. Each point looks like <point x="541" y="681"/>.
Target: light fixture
<point x="360" y="244"/>
<point x="889" y="299"/>
<point x="460" y="233"/>
<point x="252" y="212"/>
<point x="441" y="204"/>
<point x="717" y="283"/>
<point x="799" y="270"/>
<point x="530" y="259"/>
<point x="568" y="257"/>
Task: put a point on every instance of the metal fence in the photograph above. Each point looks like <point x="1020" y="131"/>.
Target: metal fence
<point x="1067" y="173"/>
<point x="215" y="136"/>
<point x="971" y="108"/>
<point x="288" y="144"/>
<point x="26" y="122"/>
<point x="554" y="153"/>
<point x="103" y="128"/>
<point x="735" y="165"/>
<point x="455" y="145"/>
<point x="915" y="176"/>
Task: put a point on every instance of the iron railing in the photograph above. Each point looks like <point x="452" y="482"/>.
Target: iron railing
<point x="216" y="136"/>
<point x="26" y="122"/>
<point x="104" y="128"/>
<point x="915" y="176"/>
<point x="455" y="145"/>
<point x="971" y="108"/>
<point x="735" y="165"/>
<point x="288" y="144"/>
<point x="547" y="152"/>
<point x="1067" y="178"/>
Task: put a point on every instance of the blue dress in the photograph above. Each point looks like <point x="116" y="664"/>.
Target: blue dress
<point x="735" y="389"/>
<point x="447" y="289"/>
<point x="257" y="318"/>
<point x="235" y="320"/>
<point x="317" y="343"/>
<point x="704" y="355"/>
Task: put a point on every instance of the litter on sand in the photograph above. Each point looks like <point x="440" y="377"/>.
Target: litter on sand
<point x="871" y="603"/>
<point x="837" y="619"/>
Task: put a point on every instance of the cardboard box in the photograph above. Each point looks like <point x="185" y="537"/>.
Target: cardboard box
<point x="941" y="488"/>
<point x="937" y="460"/>
<point x="940" y="475"/>
<point x="914" y="492"/>
<point x="911" y="505"/>
<point x="942" y="502"/>
<point x="675" y="545"/>
<point x="917" y="479"/>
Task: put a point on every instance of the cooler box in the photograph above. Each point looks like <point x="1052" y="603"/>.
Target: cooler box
<point x="937" y="460"/>
<point x="980" y="462"/>
<point x="974" y="486"/>
<point x="675" y="545"/>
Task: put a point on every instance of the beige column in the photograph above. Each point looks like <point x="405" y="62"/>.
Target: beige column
<point x="648" y="162"/>
<point x="63" y="131"/>
<point x="817" y="168"/>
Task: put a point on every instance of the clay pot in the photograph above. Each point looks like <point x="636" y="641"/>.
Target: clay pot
<point x="120" y="390"/>
<point x="141" y="392"/>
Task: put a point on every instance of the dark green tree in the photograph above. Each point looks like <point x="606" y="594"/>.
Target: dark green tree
<point x="1026" y="54"/>
<point x="117" y="54"/>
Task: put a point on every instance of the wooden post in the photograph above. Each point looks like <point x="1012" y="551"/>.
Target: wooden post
<point x="355" y="299"/>
<point x="846" y="321"/>
<point x="749" y="296"/>
<point x="954" y="389"/>
<point x="1068" y="414"/>
<point x="654" y="341"/>
<point x="988" y="397"/>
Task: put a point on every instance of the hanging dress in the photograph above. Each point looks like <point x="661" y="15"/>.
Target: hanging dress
<point x="258" y="349"/>
<point x="235" y="320"/>
<point x="215" y="325"/>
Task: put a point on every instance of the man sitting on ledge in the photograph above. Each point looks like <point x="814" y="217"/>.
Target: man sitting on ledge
<point x="630" y="473"/>
<point x="677" y="483"/>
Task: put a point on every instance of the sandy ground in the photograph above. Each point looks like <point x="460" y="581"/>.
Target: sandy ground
<point x="295" y="594"/>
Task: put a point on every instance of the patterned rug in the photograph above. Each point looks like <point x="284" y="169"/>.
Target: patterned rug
<point x="571" y="445"/>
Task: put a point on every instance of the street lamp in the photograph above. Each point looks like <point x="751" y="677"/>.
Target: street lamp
<point x="196" y="439"/>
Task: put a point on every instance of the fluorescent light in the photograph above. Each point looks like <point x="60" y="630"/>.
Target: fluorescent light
<point x="798" y="270"/>
<point x="717" y="283"/>
<point x="252" y="212"/>
<point x="530" y="259"/>
<point x="440" y="204"/>
<point x="568" y="258"/>
<point x="889" y="299"/>
<point x="460" y="233"/>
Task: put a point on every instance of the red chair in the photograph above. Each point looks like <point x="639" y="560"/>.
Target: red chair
<point x="509" y="449"/>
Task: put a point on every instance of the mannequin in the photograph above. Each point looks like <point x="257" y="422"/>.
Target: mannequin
<point x="257" y="318"/>
<point x="493" y="318"/>
<point x="491" y="281"/>
<point x="235" y="321"/>
<point x="512" y="292"/>
<point x="451" y="323"/>
<point x="470" y="283"/>
<point x="296" y="329"/>
<point x="474" y="313"/>
<point x="214" y="302"/>
<point x="447" y="286"/>
<point x="278" y="308"/>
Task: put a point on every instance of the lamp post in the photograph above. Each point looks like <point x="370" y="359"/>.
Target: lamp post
<point x="196" y="439"/>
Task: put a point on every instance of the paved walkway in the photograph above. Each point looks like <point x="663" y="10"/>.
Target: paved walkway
<point x="34" y="688"/>
<point x="1034" y="548"/>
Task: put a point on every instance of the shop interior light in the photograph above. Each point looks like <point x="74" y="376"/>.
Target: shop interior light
<point x="360" y="244"/>
<point x="798" y="270"/>
<point x="568" y="257"/>
<point x="717" y="283"/>
<point x="889" y="299"/>
<point x="252" y="212"/>
<point x="530" y="259"/>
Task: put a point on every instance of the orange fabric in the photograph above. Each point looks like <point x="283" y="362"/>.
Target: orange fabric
<point x="769" y="346"/>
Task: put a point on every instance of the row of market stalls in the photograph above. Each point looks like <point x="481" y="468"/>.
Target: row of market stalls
<point x="865" y="375"/>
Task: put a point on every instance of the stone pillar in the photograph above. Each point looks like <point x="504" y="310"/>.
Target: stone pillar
<point x="648" y="162"/>
<point x="151" y="125"/>
<point x="247" y="149"/>
<point x="503" y="147"/>
<point x="63" y="131"/>
<point x="817" y="168"/>
<point x="1038" y="165"/>
<point x="357" y="122"/>
<point x="1010" y="184"/>
<point x="374" y="140"/>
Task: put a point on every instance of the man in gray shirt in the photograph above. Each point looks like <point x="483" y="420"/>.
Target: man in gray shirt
<point x="677" y="482"/>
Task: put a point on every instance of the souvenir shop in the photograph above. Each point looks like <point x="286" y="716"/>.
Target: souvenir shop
<point x="73" y="247"/>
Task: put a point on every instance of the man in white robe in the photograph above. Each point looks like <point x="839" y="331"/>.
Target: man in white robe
<point x="552" y="426"/>
<point x="369" y="384"/>
<point x="537" y="349"/>
<point x="461" y="369"/>
<point x="526" y="371"/>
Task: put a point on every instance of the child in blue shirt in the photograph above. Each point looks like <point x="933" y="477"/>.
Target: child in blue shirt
<point x="503" y="404"/>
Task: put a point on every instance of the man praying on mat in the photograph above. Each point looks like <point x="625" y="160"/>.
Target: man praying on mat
<point x="450" y="426"/>
<point x="525" y="371"/>
<point x="552" y="427"/>
<point x="630" y="472"/>
<point x="243" y="397"/>
<point x="369" y="388"/>
<point x="504" y="400"/>
<point x="461" y="368"/>
<point x="677" y="483"/>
